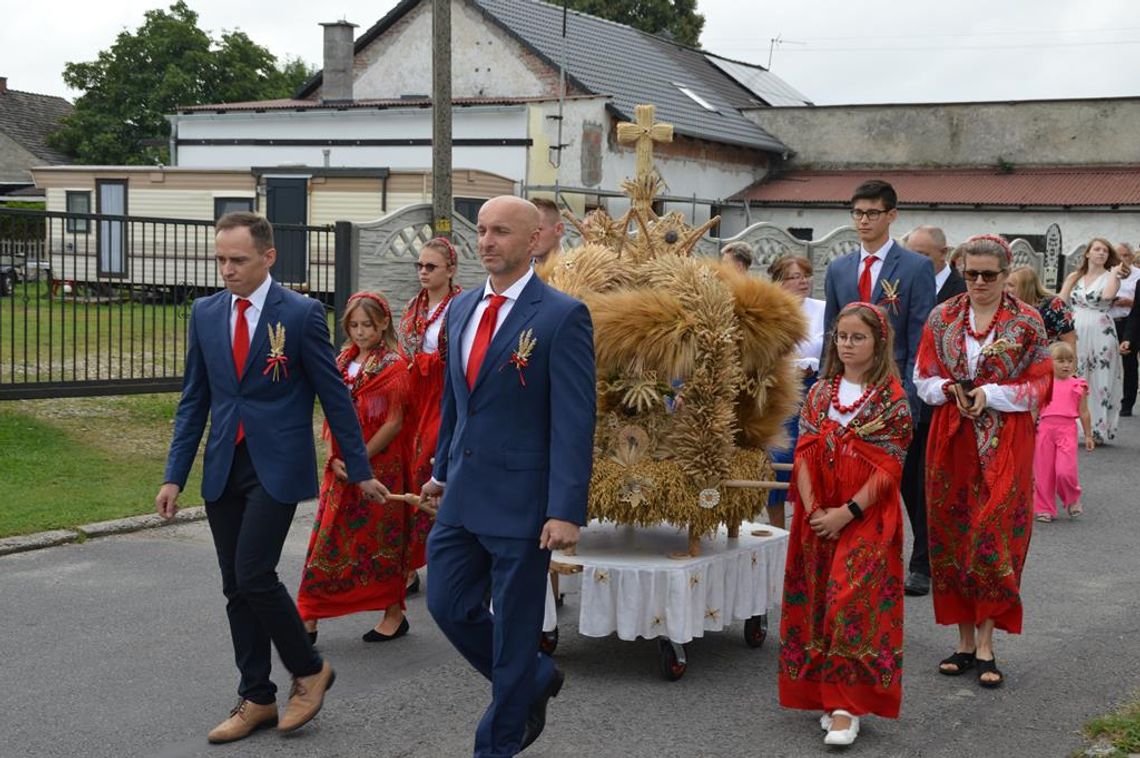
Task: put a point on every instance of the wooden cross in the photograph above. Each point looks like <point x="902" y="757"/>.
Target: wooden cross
<point x="643" y="132"/>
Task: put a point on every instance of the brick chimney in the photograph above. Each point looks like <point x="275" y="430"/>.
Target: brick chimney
<point x="337" y="75"/>
<point x="3" y="84"/>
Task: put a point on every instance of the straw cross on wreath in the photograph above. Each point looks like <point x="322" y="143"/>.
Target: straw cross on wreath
<point x="643" y="133"/>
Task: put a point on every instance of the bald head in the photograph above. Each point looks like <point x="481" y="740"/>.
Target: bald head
<point x="931" y="242"/>
<point x="508" y="231"/>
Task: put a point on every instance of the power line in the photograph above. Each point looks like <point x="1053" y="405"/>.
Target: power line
<point x="997" y="47"/>
<point x="1008" y="33"/>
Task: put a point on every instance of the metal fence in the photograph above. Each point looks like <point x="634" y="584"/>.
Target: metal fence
<point x="98" y="304"/>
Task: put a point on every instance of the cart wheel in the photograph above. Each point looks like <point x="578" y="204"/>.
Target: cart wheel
<point x="756" y="630"/>
<point x="548" y="642"/>
<point x="673" y="661"/>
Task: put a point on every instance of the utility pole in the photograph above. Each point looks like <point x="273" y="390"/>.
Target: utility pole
<point x="441" y="117"/>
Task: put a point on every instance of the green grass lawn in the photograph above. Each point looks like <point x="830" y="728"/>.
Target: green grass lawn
<point x="1120" y="730"/>
<point x="71" y="462"/>
<point x="45" y="338"/>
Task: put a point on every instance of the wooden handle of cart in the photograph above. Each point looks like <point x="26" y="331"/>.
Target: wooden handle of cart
<point x="749" y="484"/>
<point x="411" y="499"/>
<point x="781" y="467"/>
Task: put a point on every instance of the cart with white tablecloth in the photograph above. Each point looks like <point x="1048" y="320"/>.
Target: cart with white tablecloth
<point x="631" y="586"/>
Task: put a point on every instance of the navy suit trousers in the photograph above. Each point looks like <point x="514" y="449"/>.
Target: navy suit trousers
<point x="249" y="529"/>
<point x="503" y="645"/>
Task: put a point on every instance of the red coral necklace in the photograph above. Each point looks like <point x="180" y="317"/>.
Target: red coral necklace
<point x="845" y="409"/>
<point x="422" y="324"/>
<point x="980" y="336"/>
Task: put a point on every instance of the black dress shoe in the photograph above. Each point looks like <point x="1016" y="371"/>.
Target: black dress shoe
<point x="1126" y="412"/>
<point x="414" y="587"/>
<point x="374" y="636"/>
<point x="536" y="719"/>
<point x="917" y="584"/>
<point x="313" y="637"/>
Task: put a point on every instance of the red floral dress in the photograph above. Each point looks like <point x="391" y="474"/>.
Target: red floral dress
<point x="426" y="372"/>
<point x="979" y="473"/>
<point x="358" y="551"/>
<point x="841" y="631"/>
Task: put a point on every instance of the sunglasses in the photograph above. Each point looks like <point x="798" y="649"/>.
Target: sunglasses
<point x="972" y="275"/>
<point x="428" y="267"/>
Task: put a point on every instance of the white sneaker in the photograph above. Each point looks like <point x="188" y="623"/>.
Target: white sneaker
<point x="825" y="722"/>
<point x="842" y="736"/>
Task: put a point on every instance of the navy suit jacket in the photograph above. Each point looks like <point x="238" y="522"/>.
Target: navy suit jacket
<point x="915" y="276"/>
<point x="954" y="285"/>
<point x="518" y="448"/>
<point x="277" y="415"/>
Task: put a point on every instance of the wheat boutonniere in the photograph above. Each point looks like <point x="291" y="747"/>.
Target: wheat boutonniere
<point x="520" y="358"/>
<point x="891" y="295"/>
<point x="277" y="361"/>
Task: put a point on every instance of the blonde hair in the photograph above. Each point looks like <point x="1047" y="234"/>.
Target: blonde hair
<point x="376" y="313"/>
<point x="1027" y="286"/>
<point x="883" y="361"/>
<point x="1062" y="350"/>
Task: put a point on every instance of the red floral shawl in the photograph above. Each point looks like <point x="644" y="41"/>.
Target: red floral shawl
<point x="1018" y="357"/>
<point x="379" y="386"/>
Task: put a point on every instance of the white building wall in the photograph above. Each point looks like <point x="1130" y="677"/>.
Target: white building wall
<point x="484" y="59"/>
<point x="499" y="122"/>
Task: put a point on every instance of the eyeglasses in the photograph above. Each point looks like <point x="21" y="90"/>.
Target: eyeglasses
<point x="874" y="215"/>
<point x="972" y="275"/>
<point x="794" y="278"/>
<point x="428" y="267"/>
<point x="858" y="338"/>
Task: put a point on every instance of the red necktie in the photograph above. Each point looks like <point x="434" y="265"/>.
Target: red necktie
<point x="241" y="348"/>
<point x="865" y="279"/>
<point x="483" y="338"/>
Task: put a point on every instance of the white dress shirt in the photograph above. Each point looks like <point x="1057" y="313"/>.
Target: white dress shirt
<point x="811" y="348"/>
<point x="940" y="278"/>
<point x="511" y="294"/>
<point x="1127" y="290"/>
<point x="252" y="313"/>
<point x="877" y="266"/>
<point x="1000" y="397"/>
<point x="431" y="335"/>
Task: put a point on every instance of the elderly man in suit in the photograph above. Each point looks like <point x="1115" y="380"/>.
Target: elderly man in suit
<point x="931" y="242"/>
<point x="902" y="282"/>
<point x="256" y="355"/>
<point x="512" y="471"/>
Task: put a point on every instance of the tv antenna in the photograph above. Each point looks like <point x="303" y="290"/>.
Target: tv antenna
<point x="779" y="40"/>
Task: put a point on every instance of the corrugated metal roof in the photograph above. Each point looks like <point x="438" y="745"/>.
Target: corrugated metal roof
<point x="761" y="82"/>
<point x="288" y="104"/>
<point x="1043" y="186"/>
<point x="634" y="67"/>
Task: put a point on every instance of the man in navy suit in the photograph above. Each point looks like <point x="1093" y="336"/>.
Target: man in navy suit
<point x="902" y="282"/>
<point x="512" y="471"/>
<point x="931" y="242"/>
<point x="256" y="354"/>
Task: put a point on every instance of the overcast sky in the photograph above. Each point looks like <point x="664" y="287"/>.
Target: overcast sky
<point x="833" y="51"/>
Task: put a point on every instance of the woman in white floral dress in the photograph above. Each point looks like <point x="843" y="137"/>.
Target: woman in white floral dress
<point x="1090" y="290"/>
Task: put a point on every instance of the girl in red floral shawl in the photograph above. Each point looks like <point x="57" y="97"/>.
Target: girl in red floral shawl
<point x="984" y="364"/>
<point x="841" y="629"/>
<point x="358" y="552"/>
<point x="423" y="344"/>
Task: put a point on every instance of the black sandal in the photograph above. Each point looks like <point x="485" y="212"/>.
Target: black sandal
<point x="964" y="662"/>
<point x="989" y="667"/>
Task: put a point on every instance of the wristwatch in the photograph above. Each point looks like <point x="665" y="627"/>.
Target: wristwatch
<point x="856" y="511"/>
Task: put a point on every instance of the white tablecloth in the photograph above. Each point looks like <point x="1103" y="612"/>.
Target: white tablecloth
<point x="631" y="586"/>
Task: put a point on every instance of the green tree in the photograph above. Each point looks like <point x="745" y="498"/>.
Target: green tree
<point x="677" y="17"/>
<point x="166" y="63"/>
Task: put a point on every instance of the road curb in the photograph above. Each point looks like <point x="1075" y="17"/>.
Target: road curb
<point x="25" y="542"/>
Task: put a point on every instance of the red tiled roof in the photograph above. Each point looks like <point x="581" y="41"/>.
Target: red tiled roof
<point x="287" y="104"/>
<point x="1039" y="186"/>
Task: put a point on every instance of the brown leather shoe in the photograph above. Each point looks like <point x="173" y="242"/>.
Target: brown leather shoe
<point x="306" y="698"/>
<point x="246" y="718"/>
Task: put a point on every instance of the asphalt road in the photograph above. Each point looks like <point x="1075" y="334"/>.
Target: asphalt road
<point x="119" y="647"/>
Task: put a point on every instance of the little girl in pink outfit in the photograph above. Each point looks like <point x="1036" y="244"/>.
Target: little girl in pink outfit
<point x="1055" y="459"/>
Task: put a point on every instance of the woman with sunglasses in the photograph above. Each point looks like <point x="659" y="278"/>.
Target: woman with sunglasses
<point x="984" y="365"/>
<point x="423" y="344"/>
<point x="1091" y="290"/>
